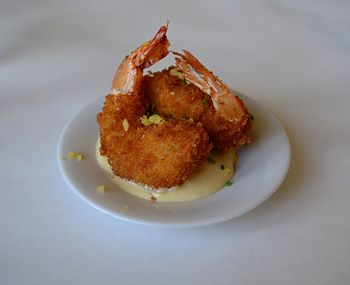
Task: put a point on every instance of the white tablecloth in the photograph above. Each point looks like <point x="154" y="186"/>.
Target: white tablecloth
<point x="291" y="56"/>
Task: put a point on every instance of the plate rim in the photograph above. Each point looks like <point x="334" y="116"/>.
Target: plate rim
<point x="193" y="223"/>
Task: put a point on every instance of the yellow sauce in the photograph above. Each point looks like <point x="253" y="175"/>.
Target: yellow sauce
<point x="207" y="180"/>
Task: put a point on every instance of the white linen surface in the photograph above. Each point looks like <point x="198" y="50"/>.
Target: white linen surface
<point x="291" y="56"/>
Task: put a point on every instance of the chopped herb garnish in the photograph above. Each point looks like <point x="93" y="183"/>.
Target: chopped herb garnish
<point x="76" y="155"/>
<point x="125" y="124"/>
<point x="211" y="160"/>
<point x="174" y="72"/>
<point x="205" y="101"/>
<point x="155" y="119"/>
<point x="101" y="189"/>
<point x="229" y="183"/>
<point x="222" y="167"/>
<point x="183" y="81"/>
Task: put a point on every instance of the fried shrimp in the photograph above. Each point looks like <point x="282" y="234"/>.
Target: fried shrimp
<point x="206" y="99"/>
<point x="159" y="155"/>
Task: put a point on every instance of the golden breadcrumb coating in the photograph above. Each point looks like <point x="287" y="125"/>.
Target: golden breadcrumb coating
<point x="173" y="97"/>
<point x="159" y="155"/>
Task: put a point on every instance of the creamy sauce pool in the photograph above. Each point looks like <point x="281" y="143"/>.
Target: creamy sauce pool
<point x="207" y="180"/>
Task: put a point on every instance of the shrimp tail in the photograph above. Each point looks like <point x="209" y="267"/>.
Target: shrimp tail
<point x="128" y="76"/>
<point x="224" y="101"/>
<point x="154" y="50"/>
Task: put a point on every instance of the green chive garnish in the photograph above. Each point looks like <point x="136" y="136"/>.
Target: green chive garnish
<point x="205" y="101"/>
<point x="222" y="167"/>
<point x="211" y="160"/>
<point x="229" y="183"/>
<point x="183" y="81"/>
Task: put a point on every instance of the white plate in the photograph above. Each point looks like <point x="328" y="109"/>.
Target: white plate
<point x="261" y="169"/>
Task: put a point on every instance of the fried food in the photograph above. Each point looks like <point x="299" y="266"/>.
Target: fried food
<point x="159" y="155"/>
<point x="162" y="155"/>
<point x="173" y="97"/>
<point x="197" y="111"/>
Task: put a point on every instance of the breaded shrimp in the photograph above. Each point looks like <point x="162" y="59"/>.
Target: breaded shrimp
<point x="162" y="155"/>
<point x="207" y="100"/>
<point x="172" y="97"/>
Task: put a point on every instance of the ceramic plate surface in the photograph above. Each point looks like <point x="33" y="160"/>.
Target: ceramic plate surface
<point x="261" y="169"/>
